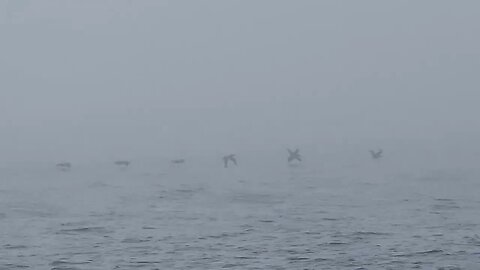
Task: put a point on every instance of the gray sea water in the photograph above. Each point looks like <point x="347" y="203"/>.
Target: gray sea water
<point x="368" y="216"/>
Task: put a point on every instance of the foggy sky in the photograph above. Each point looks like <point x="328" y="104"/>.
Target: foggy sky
<point x="118" y="78"/>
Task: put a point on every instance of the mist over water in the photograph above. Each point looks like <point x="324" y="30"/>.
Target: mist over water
<point x="94" y="82"/>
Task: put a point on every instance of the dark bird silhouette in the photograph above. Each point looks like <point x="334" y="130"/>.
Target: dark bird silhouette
<point x="294" y="155"/>
<point x="227" y="159"/>
<point x="178" y="161"/>
<point x="376" y="155"/>
<point x="122" y="163"/>
<point x="64" y="166"/>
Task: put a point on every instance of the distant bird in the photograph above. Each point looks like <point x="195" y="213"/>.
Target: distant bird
<point x="122" y="163"/>
<point x="376" y="155"/>
<point x="64" y="166"/>
<point x="178" y="161"/>
<point x="227" y="159"/>
<point x="294" y="155"/>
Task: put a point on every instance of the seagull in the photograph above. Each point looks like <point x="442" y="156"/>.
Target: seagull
<point x="294" y="155"/>
<point x="228" y="158"/>
<point x="64" y="166"/>
<point x="376" y="155"/>
<point x="178" y="161"/>
<point x="123" y="163"/>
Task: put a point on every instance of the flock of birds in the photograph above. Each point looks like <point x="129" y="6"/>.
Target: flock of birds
<point x="293" y="156"/>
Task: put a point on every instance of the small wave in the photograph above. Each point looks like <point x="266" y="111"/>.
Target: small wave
<point x="13" y="266"/>
<point x="266" y="221"/>
<point x="233" y="265"/>
<point x="473" y="240"/>
<point x="224" y="235"/>
<point x="336" y="243"/>
<point x="15" y="246"/>
<point x="425" y="252"/>
<point x="431" y="251"/>
<point x="145" y="262"/>
<point x="321" y="259"/>
<point x="439" y="207"/>
<point x="256" y="198"/>
<point x="450" y="267"/>
<point x="95" y="230"/>
<point x="135" y="240"/>
<point x="298" y="258"/>
<point x="63" y="262"/>
<point x="368" y="233"/>
<point x="66" y="265"/>
<point x="444" y="200"/>
<point x="245" y="257"/>
<point x="32" y="212"/>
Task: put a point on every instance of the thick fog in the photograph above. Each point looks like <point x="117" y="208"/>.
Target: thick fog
<point x="176" y="87"/>
<point x="100" y="80"/>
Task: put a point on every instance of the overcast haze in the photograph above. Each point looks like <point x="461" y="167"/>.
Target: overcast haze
<point x="107" y="79"/>
<point x="115" y="116"/>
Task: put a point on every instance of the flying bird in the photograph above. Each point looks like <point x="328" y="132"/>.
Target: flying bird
<point x="294" y="155"/>
<point x="64" y="166"/>
<point x="122" y="163"/>
<point x="228" y="158"/>
<point x="178" y="161"/>
<point x="376" y="155"/>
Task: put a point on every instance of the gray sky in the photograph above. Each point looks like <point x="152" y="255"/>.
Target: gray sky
<point x="118" y="78"/>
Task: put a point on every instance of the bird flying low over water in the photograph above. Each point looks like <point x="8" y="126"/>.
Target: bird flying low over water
<point x="64" y="166"/>
<point x="123" y="163"/>
<point x="227" y="159"/>
<point x="178" y="161"/>
<point x="376" y="155"/>
<point x="294" y="155"/>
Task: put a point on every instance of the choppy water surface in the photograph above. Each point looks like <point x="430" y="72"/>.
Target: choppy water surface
<point x="288" y="218"/>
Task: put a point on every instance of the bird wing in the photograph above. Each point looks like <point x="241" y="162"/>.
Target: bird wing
<point x="225" y="162"/>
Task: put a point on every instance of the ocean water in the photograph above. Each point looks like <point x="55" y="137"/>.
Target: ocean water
<point x="367" y="216"/>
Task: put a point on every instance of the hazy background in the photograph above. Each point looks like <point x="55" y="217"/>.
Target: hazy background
<point x="97" y="80"/>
